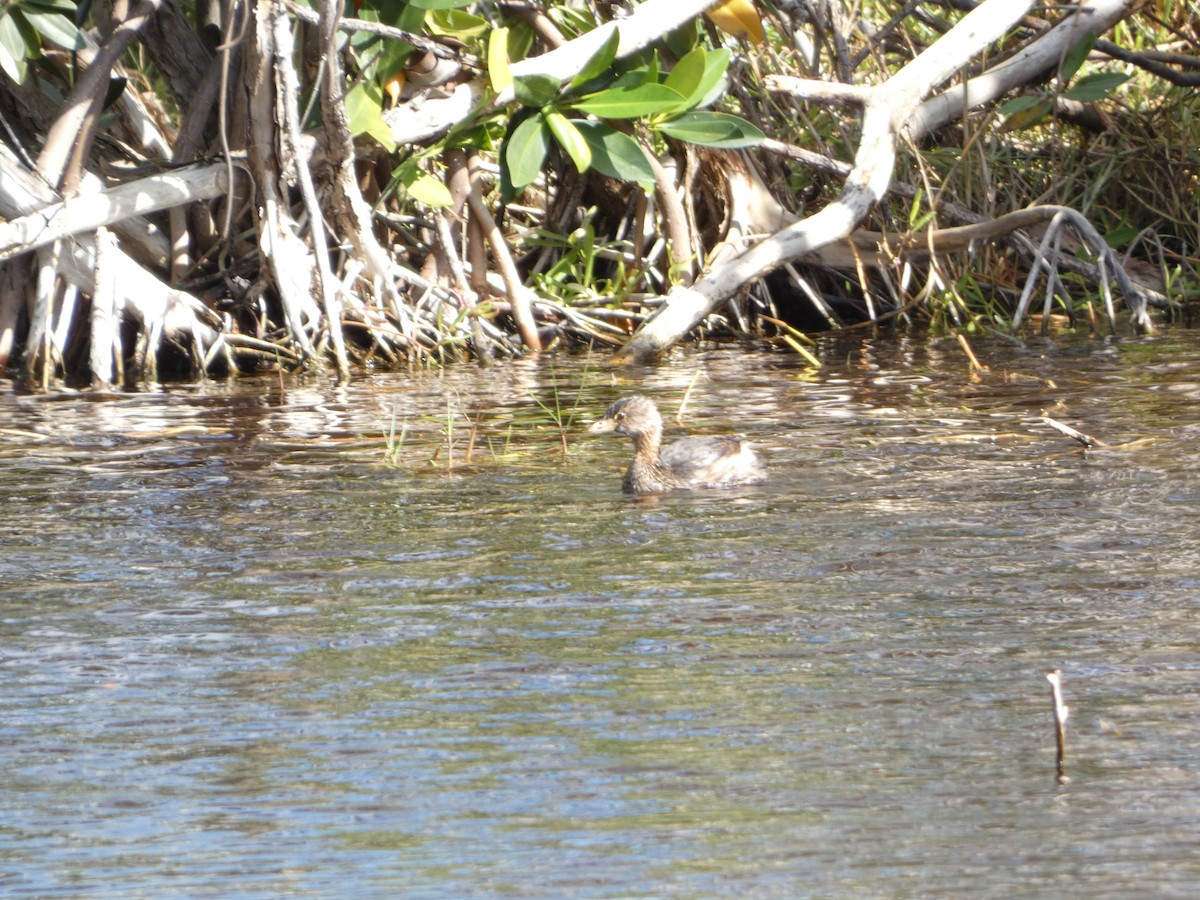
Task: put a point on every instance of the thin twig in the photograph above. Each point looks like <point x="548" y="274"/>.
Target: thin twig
<point x="976" y="366"/>
<point x="1086" y="439"/>
<point x="1061" y="712"/>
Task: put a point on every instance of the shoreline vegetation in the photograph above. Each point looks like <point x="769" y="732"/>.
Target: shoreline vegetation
<point x="222" y="186"/>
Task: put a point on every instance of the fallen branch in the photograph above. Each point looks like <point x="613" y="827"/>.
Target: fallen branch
<point x="1086" y="439"/>
<point x="88" y="212"/>
<point x="1032" y="61"/>
<point x="137" y="293"/>
<point x="888" y="109"/>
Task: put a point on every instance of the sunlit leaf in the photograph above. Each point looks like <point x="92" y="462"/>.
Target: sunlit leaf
<point x="713" y="129"/>
<point x="62" y="7"/>
<point x="457" y="24"/>
<point x="631" y="103"/>
<point x="614" y="153"/>
<point x="688" y="73"/>
<point x="525" y="151"/>
<point x="1095" y="87"/>
<point x="497" y="60"/>
<point x="12" y="49"/>
<point x="385" y="60"/>
<point x="600" y="62"/>
<point x="631" y="78"/>
<point x="652" y="68"/>
<point x="739" y="18"/>
<point x="569" y="137"/>
<point x="424" y="188"/>
<point x="411" y="16"/>
<point x="364" y="112"/>
<point x="397" y="13"/>
<point x="521" y="38"/>
<point x="440" y="4"/>
<point x="54" y="27"/>
<point x="712" y="85"/>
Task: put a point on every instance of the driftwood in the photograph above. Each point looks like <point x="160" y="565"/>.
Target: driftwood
<point x="1041" y="55"/>
<point x="87" y="212"/>
<point x="893" y="111"/>
<point x="134" y="290"/>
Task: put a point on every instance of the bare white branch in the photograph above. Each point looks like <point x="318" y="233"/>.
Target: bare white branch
<point x="889" y="107"/>
<point x="87" y="212"/>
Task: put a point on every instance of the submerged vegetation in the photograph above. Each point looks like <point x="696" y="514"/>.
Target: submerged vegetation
<point x="224" y="185"/>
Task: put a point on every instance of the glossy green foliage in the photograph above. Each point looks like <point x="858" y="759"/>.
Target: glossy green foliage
<point x="24" y="24"/>
<point x="668" y="105"/>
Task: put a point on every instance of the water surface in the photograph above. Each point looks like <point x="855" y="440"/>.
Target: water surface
<point x="264" y="638"/>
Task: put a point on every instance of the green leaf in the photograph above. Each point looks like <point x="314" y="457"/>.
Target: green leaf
<point x="390" y="11"/>
<point x="569" y="137"/>
<point x="397" y="13"/>
<point x="1120" y="237"/>
<point x="600" y="62"/>
<point x="652" y="68"/>
<point x="457" y="24"/>
<point x="712" y="85"/>
<point x="614" y="153"/>
<point x="410" y="17"/>
<point x="12" y="49"/>
<point x="681" y="40"/>
<point x="525" y="151"/>
<point x="497" y="60"/>
<point x="1076" y="57"/>
<point x="915" y="214"/>
<point x="440" y="4"/>
<point x="631" y="103"/>
<point x="700" y="77"/>
<point x="388" y="61"/>
<point x="364" y="112"/>
<point x="713" y="129"/>
<point x="1020" y="104"/>
<point x="54" y="27"/>
<point x="424" y="188"/>
<point x="535" y="90"/>
<point x="521" y="38"/>
<point x="687" y="74"/>
<point x="1025" y="115"/>
<point x="1096" y="87"/>
<point x="64" y="8"/>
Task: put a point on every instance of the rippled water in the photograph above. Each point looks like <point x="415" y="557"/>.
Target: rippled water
<point x="251" y="646"/>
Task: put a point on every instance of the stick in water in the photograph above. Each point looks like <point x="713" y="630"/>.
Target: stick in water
<point x="1086" y="439"/>
<point x="1061" y="711"/>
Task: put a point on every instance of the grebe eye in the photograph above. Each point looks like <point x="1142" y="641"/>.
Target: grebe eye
<point x="620" y="416"/>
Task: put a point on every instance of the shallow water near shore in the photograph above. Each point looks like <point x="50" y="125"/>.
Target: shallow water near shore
<point x="265" y="639"/>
